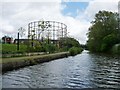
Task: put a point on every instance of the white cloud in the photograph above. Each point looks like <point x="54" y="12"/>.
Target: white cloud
<point x="93" y="7"/>
<point x="97" y="5"/>
<point x="6" y="27"/>
<point x="17" y="14"/>
<point x="31" y="1"/>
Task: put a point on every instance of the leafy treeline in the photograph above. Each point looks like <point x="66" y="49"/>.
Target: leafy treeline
<point x="71" y="45"/>
<point x="104" y="32"/>
<point x="65" y="44"/>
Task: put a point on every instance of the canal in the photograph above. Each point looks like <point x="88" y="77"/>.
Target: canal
<point x="85" y="70"/>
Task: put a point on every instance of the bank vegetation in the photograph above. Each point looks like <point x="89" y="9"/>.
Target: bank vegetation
<point x="104" y="33"/>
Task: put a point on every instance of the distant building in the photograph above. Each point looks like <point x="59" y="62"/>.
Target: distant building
<point x="25" y="41"/>
<point x="22" y="41"/>
<point x="7" y="40"/>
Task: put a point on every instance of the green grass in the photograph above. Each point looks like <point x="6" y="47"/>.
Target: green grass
<point x="12" y="48"/>
<point x="19" y="59"/>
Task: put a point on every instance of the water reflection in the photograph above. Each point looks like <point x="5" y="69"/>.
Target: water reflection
<point x="106" y="71"/>
<point x="82" y="71"/>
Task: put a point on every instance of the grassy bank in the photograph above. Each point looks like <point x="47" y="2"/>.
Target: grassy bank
<point x="19" y="59"/>
<point x="18" y="62"/>
<point x="12" y="48"/>
<point x="26" y="56"/>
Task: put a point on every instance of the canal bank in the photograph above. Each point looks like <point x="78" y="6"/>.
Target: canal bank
<point x="85" y="70"/>
<point x="8" y="64"/>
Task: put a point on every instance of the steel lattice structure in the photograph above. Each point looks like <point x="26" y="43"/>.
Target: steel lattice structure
<point x="41" y="30"/>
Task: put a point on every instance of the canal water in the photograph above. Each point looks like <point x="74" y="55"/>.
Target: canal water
<point x="85" y="70"/>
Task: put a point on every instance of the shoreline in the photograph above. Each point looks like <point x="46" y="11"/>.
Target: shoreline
<point x="20" y="62"/>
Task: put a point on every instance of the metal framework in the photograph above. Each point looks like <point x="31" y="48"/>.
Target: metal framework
<point x="41" y="30"/>
<point x="119" y="16"/>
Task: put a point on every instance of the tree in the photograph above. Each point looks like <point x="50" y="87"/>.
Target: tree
<point x="21" y="31"/>
<point x="68" y="43"/>
<point x="43" y="25"/>
<point x="103" y="32"/>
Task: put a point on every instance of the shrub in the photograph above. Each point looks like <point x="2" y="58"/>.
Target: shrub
<point x="116" y="49"/>
<point x="75" y="50"/>
<point x="51" y="48"/>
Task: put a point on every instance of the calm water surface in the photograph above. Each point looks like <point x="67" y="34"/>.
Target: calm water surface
<point x="82" y="71"/>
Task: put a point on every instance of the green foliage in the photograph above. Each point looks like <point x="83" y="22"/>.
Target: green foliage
<point x="48" y="47"/>
<point x="104" y="47"/>
<point x="51" y="48"/>
<point x="37" y="47"/>
<point x="108" y="42"/>
<point x="67" y="43"/>
<point x="103" y="33"/>
<point x="75" y="50"/>
<point x="12" y="48"/>
<point x="116" y="49"/>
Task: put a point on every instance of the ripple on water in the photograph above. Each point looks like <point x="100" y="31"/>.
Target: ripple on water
<point x="82" y="71"/>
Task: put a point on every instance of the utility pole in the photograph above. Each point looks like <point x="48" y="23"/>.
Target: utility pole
<point x="18" y="42"/>
<point x="20" y="33"/>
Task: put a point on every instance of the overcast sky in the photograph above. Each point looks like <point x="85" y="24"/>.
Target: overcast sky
<point x="76" y="15"/>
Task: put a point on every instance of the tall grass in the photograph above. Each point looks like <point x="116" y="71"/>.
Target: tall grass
<point x="12" y="48"/>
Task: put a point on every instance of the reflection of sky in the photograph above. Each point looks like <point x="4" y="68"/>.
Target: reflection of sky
<point x="73" y="8"/>
<point x="81" y="71"/>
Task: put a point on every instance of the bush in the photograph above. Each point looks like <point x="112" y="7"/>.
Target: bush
<point x="75" y="50"/>
<point x="64" y="49"/>
<point x="51" y="48"/>
<point x="116" y="49"/>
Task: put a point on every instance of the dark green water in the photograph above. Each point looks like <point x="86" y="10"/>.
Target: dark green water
<point x="82" y="71"/>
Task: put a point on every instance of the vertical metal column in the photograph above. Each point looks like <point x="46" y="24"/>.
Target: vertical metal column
<point x="18" y="42"/>
<point x="62" y="30"/>
<point x="119" y="17"/>
<point x="53" y="32"/>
